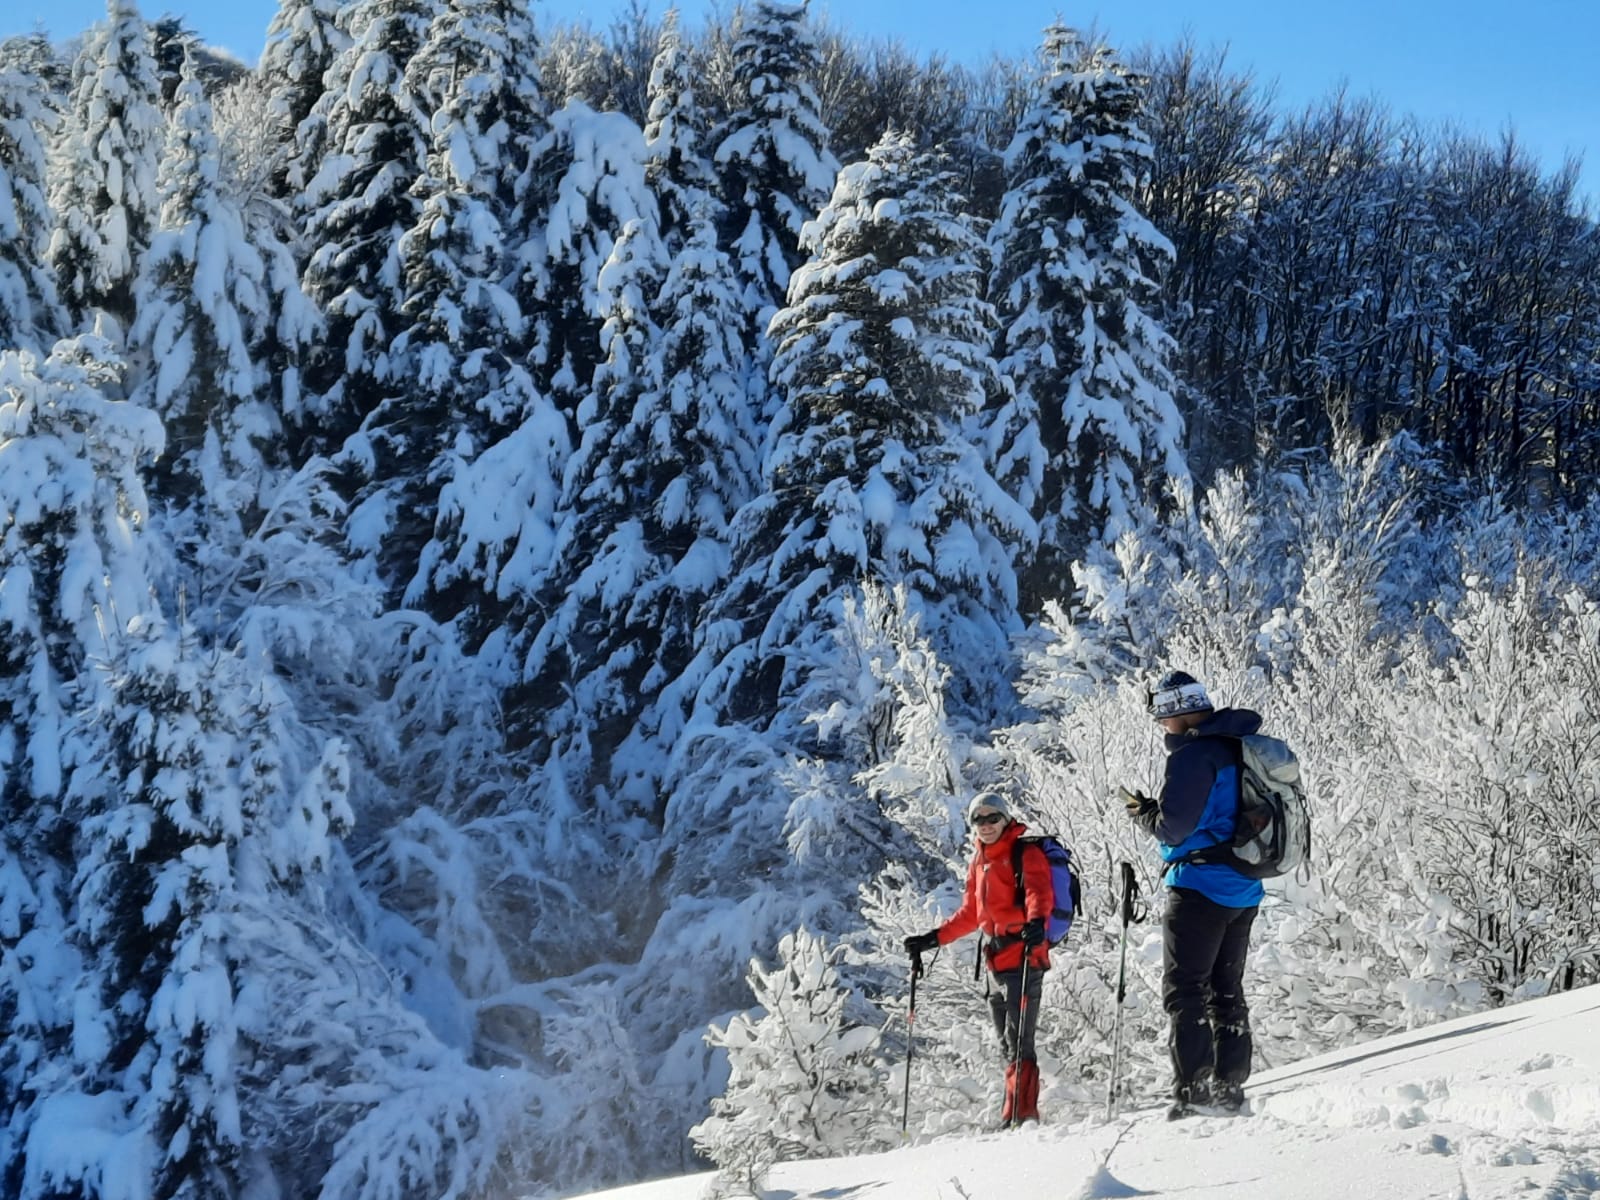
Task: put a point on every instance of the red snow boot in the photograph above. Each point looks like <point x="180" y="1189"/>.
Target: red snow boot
<point x="1008" y="1105"/>
<point x="1027" y="1091"/>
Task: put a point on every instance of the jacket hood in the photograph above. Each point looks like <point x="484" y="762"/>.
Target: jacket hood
<point x="1226" y="722"/>
<point x="1001" y="846"/>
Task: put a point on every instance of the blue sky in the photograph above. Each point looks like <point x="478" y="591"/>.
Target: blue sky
<point x="1479" y="64"/>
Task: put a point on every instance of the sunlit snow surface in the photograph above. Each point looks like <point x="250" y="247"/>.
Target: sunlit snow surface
<point x="1499" y="1105"/>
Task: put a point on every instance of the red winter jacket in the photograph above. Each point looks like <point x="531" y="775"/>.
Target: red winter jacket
<point x="990" y="902"/>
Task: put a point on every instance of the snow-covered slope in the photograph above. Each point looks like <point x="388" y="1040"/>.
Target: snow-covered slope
<point x="1502" y="1104"/>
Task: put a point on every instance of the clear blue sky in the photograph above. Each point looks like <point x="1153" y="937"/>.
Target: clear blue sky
<point x="1534" y="66"/>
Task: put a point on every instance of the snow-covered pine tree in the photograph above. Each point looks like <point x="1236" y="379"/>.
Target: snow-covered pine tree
<point x="588" y="183"/>
<point x="461" y="348"/>
<point x="359" y="205"/>
<point x="881" y="358"/>
<point x="252" y="153"/>
<point x="69" y="483"/>
<point x="30" y="316"/>
<point x="204" y="304"/>
<point x="677" y="131"/>
<point x="1076" y="270"/>
<point x="804" y="1082"/>
<point x="105" y="196"/>
<point x="595" y="646"/>
<point x="40" y="660"/>
<point x="699" y="464"/>
<point x="772" y="160"/>
<point x="526" y="110"/>
<point x="156" y="802"/>
<point x="304" y="39"/>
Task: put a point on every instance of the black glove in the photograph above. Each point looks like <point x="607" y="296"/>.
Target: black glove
<point x="919" y="943"/>
<point x="1141" y="808"/>
<point x="1033" y="932"/>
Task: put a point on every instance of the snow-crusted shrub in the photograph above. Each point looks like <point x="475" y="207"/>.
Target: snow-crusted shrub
<point x="876" y="703"/>
<point x="804" y="1082"/>
<point x="1501" y="767"/>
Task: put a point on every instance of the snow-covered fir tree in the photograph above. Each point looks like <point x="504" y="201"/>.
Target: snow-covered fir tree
<point x="677" y="131"/>
<point x="597" y="642"/>
<point x="588" y="177"/>
<point x="70" y="558"/>
<point x="155" y="799"/>
<point x="772" y="157"/>
<point x="699" y="465"/>
<point x="104" y="195"/>
<point x="667" y="457"/>
<point x="881" y="359"/>
<point x="1094" y="425"/>
<point x="464" y="384"/>
<point x="359" y="205"/>
<point x="803" y="1081"/>
<point x="304" y="39"/>
<point x="29" y="313"/>
<point x="205" y="305"/>
<point x="521" y="104"/>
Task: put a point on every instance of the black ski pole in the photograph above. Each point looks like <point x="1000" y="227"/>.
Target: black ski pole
<point x="1130" y="892"/>
<point x="911" y="1039"/>
<point x="1016" y="1048"/>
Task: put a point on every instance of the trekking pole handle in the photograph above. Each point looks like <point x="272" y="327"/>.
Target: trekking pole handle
<point x="1130" y="889"/>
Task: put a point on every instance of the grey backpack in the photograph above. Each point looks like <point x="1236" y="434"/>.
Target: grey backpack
<point x="1272" y="828"/>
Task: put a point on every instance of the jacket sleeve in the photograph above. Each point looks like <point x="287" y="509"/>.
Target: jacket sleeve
<point x="1191" y="772"/>
<point x="965" y="919"/>
<point x="1038" y="888"/>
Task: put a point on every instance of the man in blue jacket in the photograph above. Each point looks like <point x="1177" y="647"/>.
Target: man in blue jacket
<point x="1210" y="906"/>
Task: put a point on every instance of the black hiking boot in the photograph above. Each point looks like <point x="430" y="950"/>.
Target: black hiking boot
<point x="1227" y="1096"/>
<point x="1189" y="1099"/>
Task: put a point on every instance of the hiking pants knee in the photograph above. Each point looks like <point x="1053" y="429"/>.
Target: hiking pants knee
<point x="1205" y="945"/>
<point x="1015" y="1027"/>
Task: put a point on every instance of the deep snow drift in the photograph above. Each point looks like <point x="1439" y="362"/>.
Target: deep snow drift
<point x="1500" y="1104"/>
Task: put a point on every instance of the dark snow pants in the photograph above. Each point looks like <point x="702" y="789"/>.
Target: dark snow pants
<point x="1205" y="945"/>
<point x="1016" y="1029"/>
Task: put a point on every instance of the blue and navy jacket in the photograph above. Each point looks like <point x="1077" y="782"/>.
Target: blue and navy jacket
<point x="1198" y="802"/>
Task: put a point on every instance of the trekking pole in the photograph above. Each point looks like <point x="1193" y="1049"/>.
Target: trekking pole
<point x="1016" y="1046"/>
<point x="1130" y="892"/>
<point x="911" y="1040"/>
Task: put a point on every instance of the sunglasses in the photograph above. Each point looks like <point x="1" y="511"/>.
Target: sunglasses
<point x="988" y="818"/>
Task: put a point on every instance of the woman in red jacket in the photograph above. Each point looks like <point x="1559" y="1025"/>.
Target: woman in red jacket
<point x="1010" y="930"/>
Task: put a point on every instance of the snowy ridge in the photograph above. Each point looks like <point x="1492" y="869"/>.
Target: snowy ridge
<point x="1493" y="1105"/>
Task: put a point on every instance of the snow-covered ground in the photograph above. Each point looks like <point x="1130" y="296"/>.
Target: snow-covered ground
<point x="1499" y="1105"/>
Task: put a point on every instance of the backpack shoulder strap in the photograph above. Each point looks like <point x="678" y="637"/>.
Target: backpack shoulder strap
<point x="1016" y="866"/>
